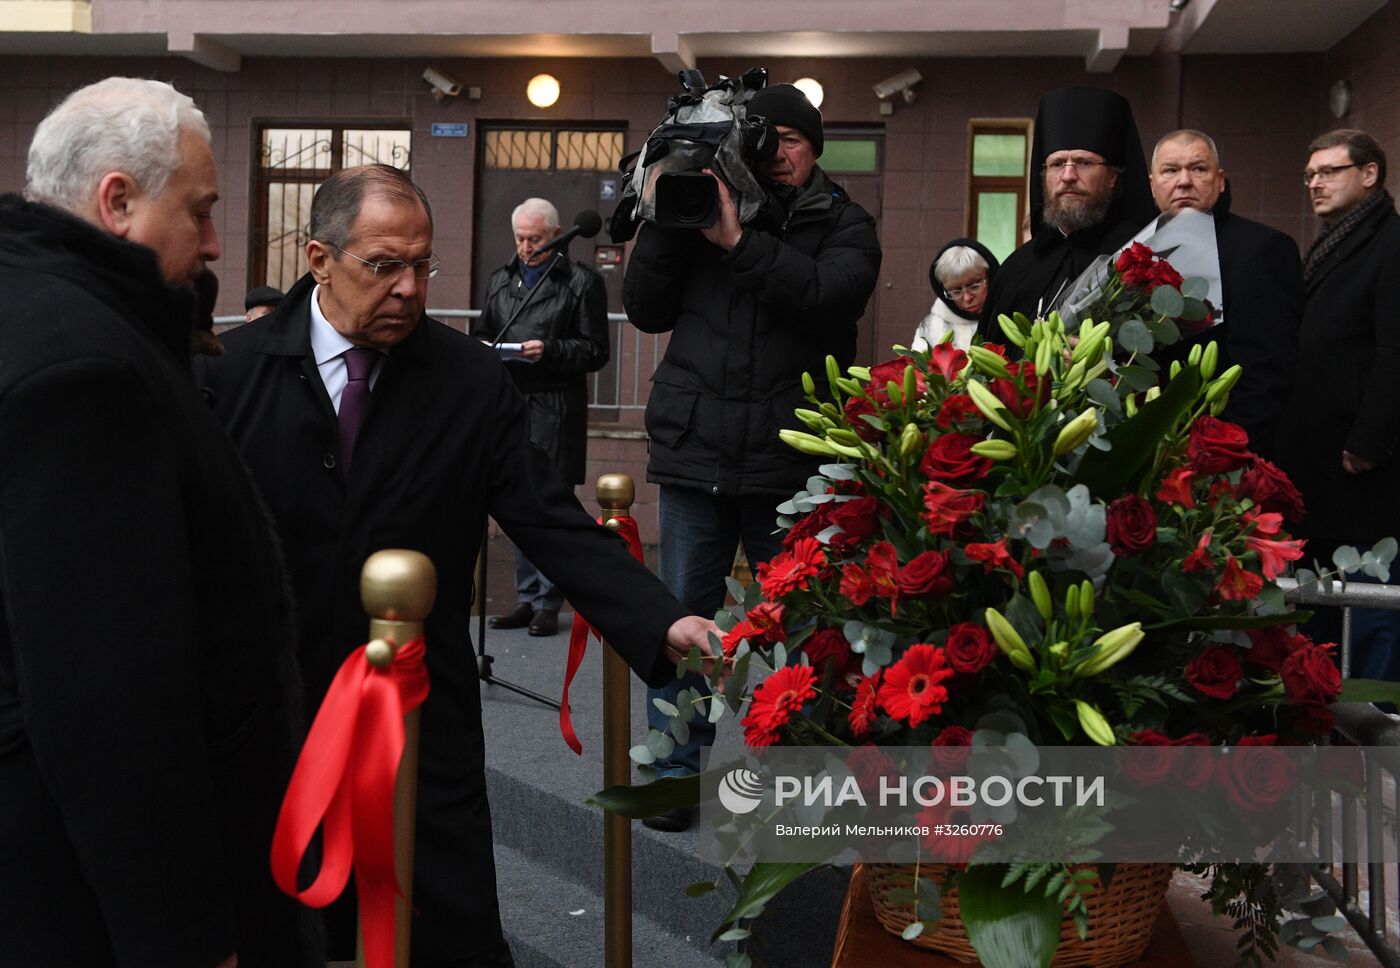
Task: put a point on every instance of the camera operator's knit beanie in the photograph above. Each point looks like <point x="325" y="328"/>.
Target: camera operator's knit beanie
<point x="786" y="105"/>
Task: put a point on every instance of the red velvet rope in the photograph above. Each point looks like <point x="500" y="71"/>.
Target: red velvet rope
<point x="344" y="782"/>
<point x="578" y="638"/>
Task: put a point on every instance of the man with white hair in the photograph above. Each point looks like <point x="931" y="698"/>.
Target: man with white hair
<point x="557" y="310"/>
<point x="146" y="674"/>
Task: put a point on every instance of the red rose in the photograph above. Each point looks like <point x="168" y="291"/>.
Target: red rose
<point x="1217" y="446"/>
<point x="857" y="520"/>
<point x="947" y="507"/>
<point x="1310" y="674"/>
<point x="1023" y="392"/>
<point x="1256" y="774"/>
<point x="1271" y="490"/>
<point x="869" y="765"/>
<point x="957" y="408"/>
<point x="950" y="459"/>
<point x="892" y="371"/>
<point x="1135" y="256"/>
<point x="1132" y="526"/>
<point x="855" y="411"/>
<point x="951" y="748"/>
<point x="809" y="525"/>
<point x="1271" y="647"/>
<point x="1162" y="273"/>
<point x="1195" y="764"/>
<point x="969" y="648"/>
<point x="926" y="576"/>
<point x="1149" y="761"/>
<point x="1216" y="672"/>
<point x="829" y="647"/>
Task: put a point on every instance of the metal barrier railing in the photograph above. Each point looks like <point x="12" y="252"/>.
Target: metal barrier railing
<point x="1379" y="733"/>
<point x="620" y="386"/>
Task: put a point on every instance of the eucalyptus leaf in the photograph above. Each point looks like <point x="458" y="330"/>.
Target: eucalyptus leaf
<point x="680" y="730"/>
<point x="1138" y="378"/>
<point x="734" y="934"/>
<point x="1346" y="558"/>
<point x="787" y="508"/>
<point x="735" y="589"/>
<point x="1166" y="301"/>
<point x="660" y="745"/>
<point x="1007" y="927"/>
<point x="1193" y="310"/>
<point x="667" y="709"/>
<point x="1384" y="550"/>
<point x="641" y="754"/>
<point x="1329" y="924"/>
<point x="1101" y="392"/>
<point x="912" y="931"/>
<point x="1197" y="287"/>
<point x="1164" y="331"/>
<point x="1335" y="949"/>
<point x="716" y="709"/>
<point x="1134" y="337"/>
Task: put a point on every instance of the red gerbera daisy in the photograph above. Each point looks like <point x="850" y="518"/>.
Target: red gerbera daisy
<point x="776" y="700"/>
<point x="911" y="691"/>
<point x="791" y="568"/>
<point x="863" y="710"/>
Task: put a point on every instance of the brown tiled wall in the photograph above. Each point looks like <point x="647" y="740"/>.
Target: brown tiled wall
<point x="1261" y="109"/>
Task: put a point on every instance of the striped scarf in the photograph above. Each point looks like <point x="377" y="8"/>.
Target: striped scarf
<point x="1335" y="233"/>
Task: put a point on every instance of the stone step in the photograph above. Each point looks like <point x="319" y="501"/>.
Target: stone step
<point x="552" y="921"/>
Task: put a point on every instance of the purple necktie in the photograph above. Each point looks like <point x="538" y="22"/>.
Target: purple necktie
<point x="359" y="362"/>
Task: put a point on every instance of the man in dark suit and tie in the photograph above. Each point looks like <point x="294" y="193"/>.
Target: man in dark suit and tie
<point x="368" y="425"/>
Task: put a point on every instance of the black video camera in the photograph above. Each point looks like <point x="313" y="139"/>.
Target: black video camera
<point x="705" y="127"/>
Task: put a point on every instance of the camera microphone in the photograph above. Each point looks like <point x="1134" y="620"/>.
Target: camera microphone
<point x="586" y="223"/>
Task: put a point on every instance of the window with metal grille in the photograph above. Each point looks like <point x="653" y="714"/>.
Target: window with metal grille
<point x="552" y="149"/>
<point x="997" y="187"/>
<point x="291" y="162"/>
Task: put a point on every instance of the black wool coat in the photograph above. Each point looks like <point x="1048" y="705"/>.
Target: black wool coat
<point x="1261" y="279"/>
<point x="1345" y="393"/>
<point x="148" y="691"/>
<point x="569" y="313"/>
<point x="745" y="325"/>
<point x="442" y="445"/>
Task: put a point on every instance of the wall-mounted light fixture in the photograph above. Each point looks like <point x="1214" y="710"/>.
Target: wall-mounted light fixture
<point x="811" y="87"/>
<point x="543" y="90"/>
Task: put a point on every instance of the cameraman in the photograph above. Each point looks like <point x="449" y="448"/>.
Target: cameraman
<point x="749" y="308"/>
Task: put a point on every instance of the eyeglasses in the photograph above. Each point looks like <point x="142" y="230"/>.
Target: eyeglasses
<point x="969" y="290"/>
<point x="1058" y="167"/>
<point x="391" y="268"/>
<point x="1326" y="174"/>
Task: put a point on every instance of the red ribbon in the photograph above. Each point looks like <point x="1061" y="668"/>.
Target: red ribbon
<point x="344" y="781"/>
<point x="578" y="637"/>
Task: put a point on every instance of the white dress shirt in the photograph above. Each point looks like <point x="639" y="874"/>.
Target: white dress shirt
<point x="328" y="346"/>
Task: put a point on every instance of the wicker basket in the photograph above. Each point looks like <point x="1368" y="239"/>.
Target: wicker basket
<point x="1120" y="918"/>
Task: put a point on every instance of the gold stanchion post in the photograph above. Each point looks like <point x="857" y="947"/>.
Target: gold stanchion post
<point x="615" y="493"/>
<point x="397" y="588"/>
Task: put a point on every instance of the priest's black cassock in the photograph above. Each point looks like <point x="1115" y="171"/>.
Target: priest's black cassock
<point x="1072" y="119"/>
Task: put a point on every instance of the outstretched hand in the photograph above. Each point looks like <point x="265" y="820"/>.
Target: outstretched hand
<point x="693" y="632"/>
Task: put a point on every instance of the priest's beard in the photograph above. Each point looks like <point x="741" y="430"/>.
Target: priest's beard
<point x="1070" y="213"/>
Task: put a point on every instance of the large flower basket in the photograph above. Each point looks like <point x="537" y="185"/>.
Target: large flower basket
<point x="1120" y="918"/>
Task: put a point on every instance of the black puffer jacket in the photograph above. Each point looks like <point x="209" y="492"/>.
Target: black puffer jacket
<point x="570" y="314"/>
<point x="744" y="327"/>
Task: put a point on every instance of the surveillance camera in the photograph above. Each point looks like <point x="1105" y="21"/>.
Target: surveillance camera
<point x="903" y="82"/>
<point x="444" y="87"/>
